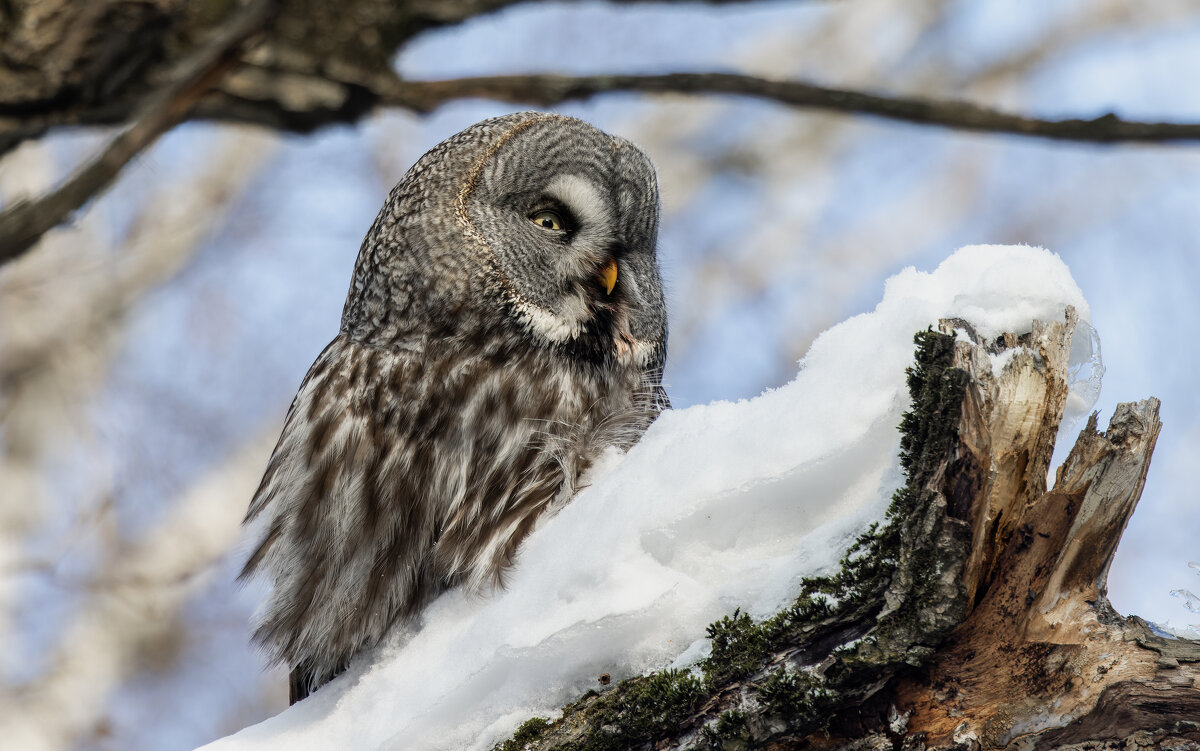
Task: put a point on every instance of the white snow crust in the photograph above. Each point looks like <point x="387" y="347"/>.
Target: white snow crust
<point x="719" y="506"/>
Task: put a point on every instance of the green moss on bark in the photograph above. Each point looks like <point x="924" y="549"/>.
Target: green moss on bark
<point x="739" y="647"/>
<point x="526" y="736"/>
<point x="800" y="697"/>
<point x="731" y="732"/>
<point x="639" y="709"/>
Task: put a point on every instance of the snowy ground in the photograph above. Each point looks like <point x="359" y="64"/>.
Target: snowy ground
<point x="719" y="506"/>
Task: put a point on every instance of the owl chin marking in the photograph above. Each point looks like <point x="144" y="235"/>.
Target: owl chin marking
<point x="553" y="328"/>
<point x="603" y="336"/>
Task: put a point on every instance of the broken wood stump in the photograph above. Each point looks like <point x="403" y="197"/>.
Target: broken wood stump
<point x="974" y="617"/>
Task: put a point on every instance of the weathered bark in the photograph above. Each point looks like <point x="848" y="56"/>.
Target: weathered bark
<point x="92" y="62"/>
<point x="975" y="618"/>
<point x="23" y="223"/>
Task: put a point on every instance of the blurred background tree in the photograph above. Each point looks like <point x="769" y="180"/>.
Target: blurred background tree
<point x="149" y="345"/>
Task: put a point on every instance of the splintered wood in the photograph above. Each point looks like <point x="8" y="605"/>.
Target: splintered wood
<point x="1041" y="660"/>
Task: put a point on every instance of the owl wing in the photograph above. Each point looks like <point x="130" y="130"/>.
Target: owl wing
<point x="397" y="474"/>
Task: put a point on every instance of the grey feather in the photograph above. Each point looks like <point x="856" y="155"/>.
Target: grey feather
<point x="480" y="369"/>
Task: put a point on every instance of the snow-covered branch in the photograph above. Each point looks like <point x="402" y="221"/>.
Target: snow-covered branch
<point x="676" y="573"/>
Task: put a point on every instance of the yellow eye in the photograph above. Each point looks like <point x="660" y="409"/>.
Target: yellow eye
<point x="548" y="220"/>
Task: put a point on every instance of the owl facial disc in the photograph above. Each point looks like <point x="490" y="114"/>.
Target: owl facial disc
<point x="568" y="216"/>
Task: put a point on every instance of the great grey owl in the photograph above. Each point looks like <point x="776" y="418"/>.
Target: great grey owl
<point x="505" y="324"/>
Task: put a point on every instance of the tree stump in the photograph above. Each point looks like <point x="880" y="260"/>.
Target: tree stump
<point x="974" y="617"/>
<point x="1042" y="661"/>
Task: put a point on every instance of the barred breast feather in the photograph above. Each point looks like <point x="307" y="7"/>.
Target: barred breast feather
<point x="401" y="473"/>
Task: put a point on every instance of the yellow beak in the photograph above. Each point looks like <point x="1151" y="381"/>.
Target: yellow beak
<point x="608" y="277"/>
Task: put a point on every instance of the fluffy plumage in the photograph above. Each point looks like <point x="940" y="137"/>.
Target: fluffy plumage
<point x="481" y="367"/>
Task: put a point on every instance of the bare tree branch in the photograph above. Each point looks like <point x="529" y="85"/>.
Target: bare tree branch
<point x="289" y="88"/>
<point x="285" y="98"/>
<point x="550" y="89"/>
<point x="322" y="97"/>
<point x="25" y="221"/>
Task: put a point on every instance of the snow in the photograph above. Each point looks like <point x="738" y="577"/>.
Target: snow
<point x="719" y="506"/>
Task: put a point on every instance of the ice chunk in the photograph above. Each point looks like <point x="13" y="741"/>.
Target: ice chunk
<point x="1085" y="370"/>
<point x="1191" y="601"/>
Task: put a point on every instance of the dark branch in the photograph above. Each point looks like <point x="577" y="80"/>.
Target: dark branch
<point x="22" y="223"/>
<point x="548" y="90"/>
<point x="91" y="62"/>
<point x="259" y="99"/>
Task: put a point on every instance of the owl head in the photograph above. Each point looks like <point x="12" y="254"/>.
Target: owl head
<point x="536" y="222"/>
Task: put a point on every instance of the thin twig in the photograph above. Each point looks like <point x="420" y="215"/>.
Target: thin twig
<point x="545" y="90"/>
<point x="23" y="223"/>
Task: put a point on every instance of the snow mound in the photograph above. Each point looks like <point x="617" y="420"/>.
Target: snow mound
<point x="719" y="506"/>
